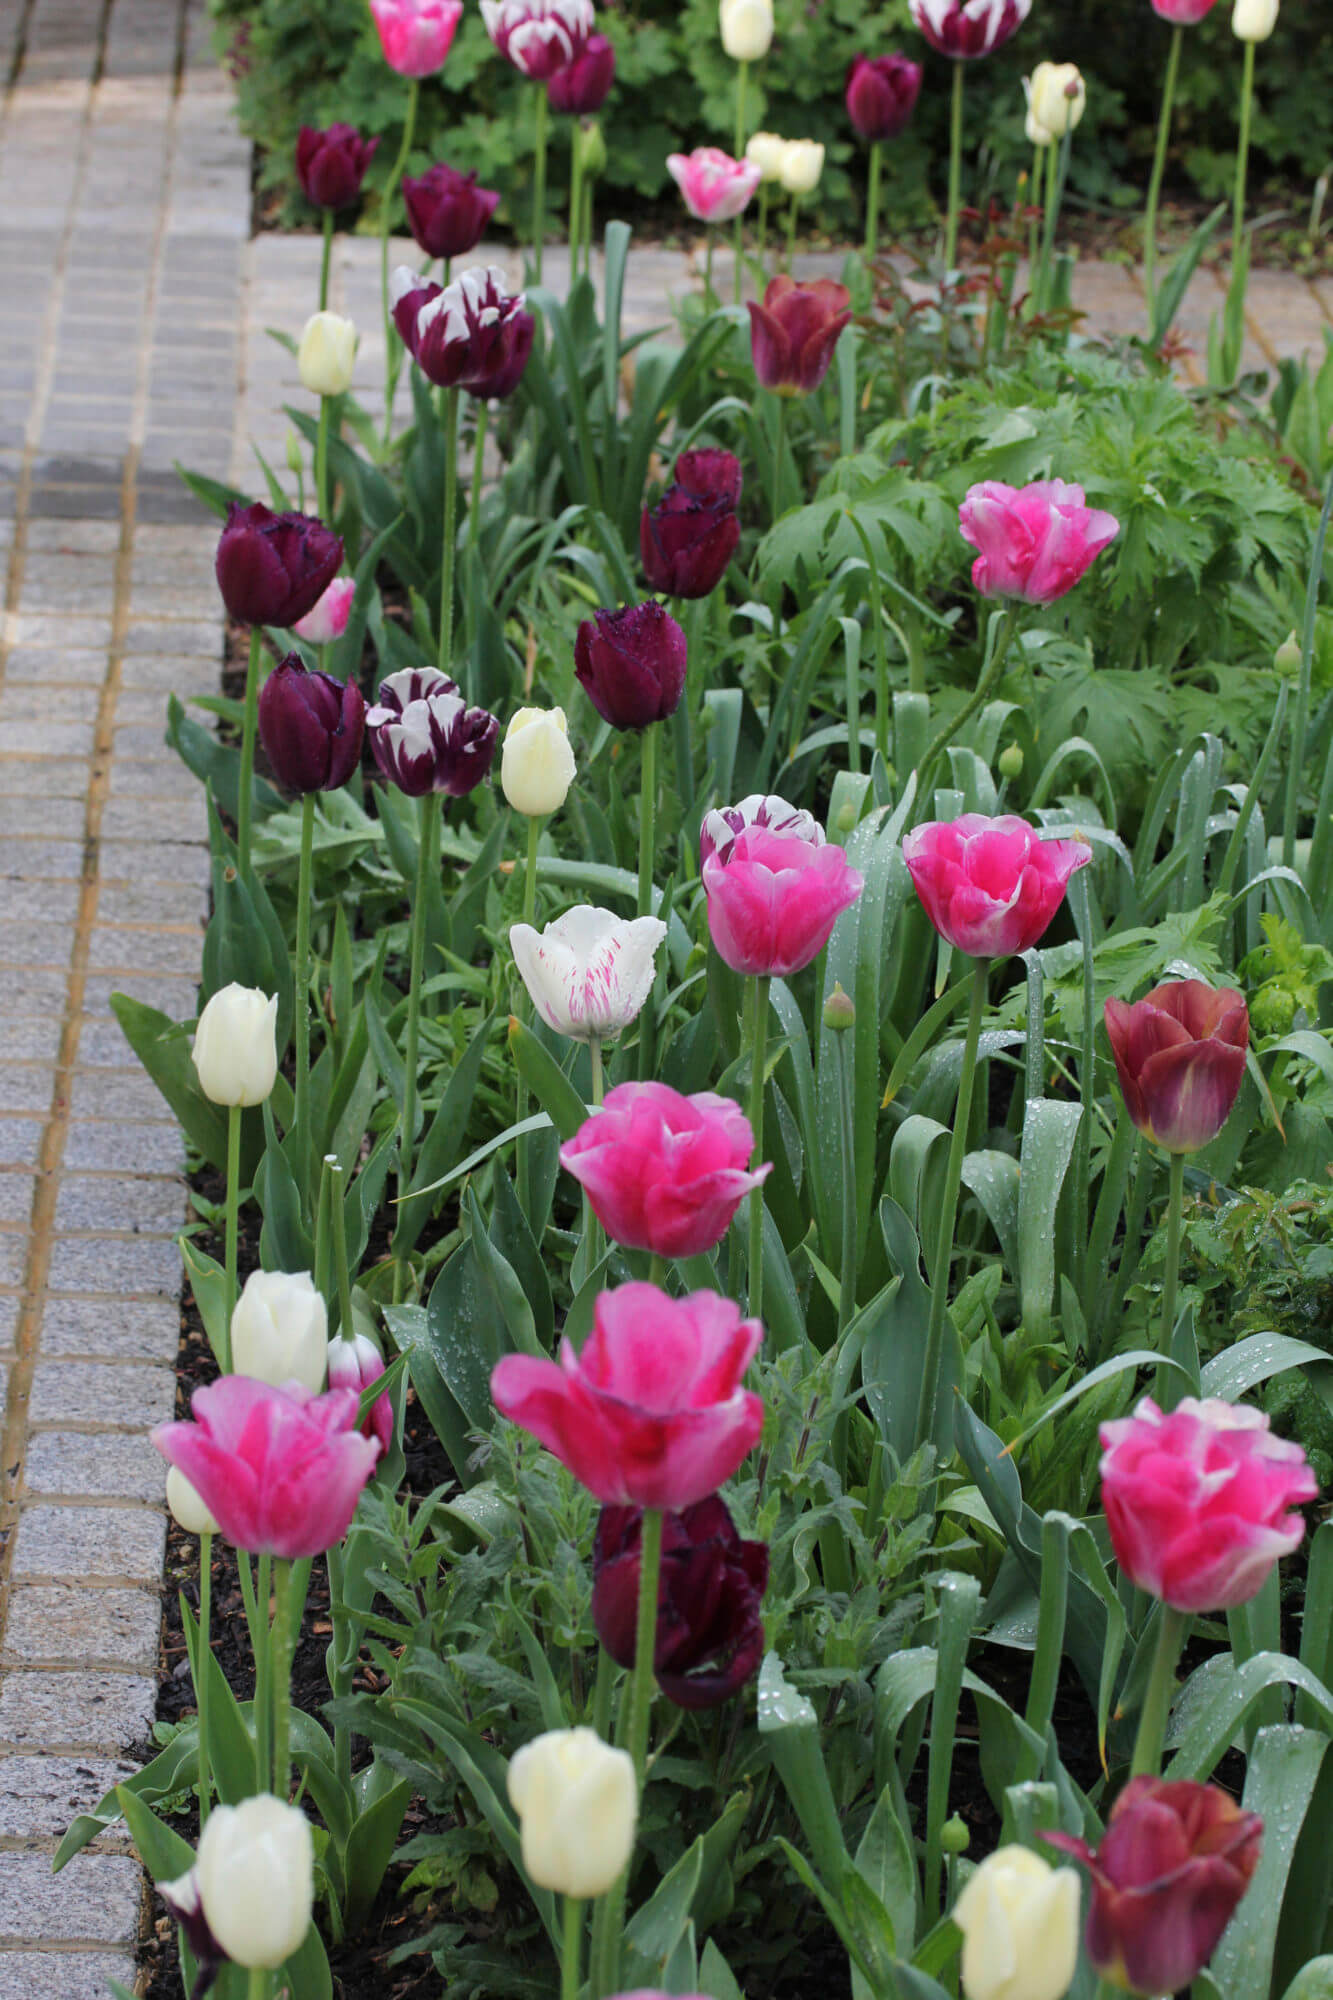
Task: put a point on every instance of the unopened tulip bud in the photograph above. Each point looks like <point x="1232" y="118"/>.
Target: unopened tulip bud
<point x="295" y="455"/>
<point x="577" y="1804"/>
<point x="536" y="763"/>
<point x="1254" y="20"/>
<point x="765" y="150"/>
<point x="1011" y="761"/>
<point x="955" y="1835"/>
<point x="327" y="354"/>
<point x="1020" y="1919"/>
<point x="280" y="1330"/>
<point x="1287" y="658"/>
<point x="187" y="1509"/>
<point x="802" y="164"/>
<point x="354" y="1364"/>
<point x="256" y="1877"/>
<point x="839" y="1011"/>
<point x="235" y="1046"/>
<point x="747" y="28"/>
<point x="591" y="147"/>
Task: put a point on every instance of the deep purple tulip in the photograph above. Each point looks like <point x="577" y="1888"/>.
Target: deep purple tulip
<point x="687" y="540"/>
<point x="710" y="1632"/>
<point x="794" y="332"/>
<point x="446" y="211"/>
<point x="470" y="335"/>
<point x="273" y="568"/>
<point x="631" y="664"/>
<point x="582" y="87"/>
<point x="331" y="165"/>
<point x="881" y="95"/>
<point x="426" y="738"/>
<point x="311" y="727"/>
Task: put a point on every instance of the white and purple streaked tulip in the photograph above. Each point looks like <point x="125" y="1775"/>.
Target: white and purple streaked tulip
<point x="471" y="334"/>
<point x="538" y="37"/>
<point x="426" y="738"/>
<point x="718" y="833"/>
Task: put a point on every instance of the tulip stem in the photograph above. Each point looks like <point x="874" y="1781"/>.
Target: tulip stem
<point x="341" y="1270"/>
<point x="758" y="1046"/>
<point x="478" y="471"/>
<point x="427" y="837"/>
<point x="1034" y="203"/>
<point x="281" y="1675"/>
<point x="939" y="1271"/>
<point x="573" y="1943"/>
<point x="260" y="1638"/>
<point x="325" y="261"/>
<point x="1171" y="1630"/>
<point x="1175" y="1198"/>
<point x="592" y="1229"/>
<point x="779" y="445"/>
<point x="742" y="79"/>
<point x="232" y="1211"/>
<point x="1301" y="718"/>
<point x="792" y="213"/>
<point x="1242" y="153"/>
<point x="847" y="1141"/>
<point x="1158" y="169"/>
<point x="999" y="637"/>
<point x="872" y="198"/>
<point x="257" y="1986"/>
<point x="450" y="528"/>
<point x="708" y="270"/>
<point x="302" y="1015"/>
<point x="205" y="1657"/>
<point x="575" y="202"/>
<point x="647" y="819"/>
<point x="392" y="347"/>
<point x="636" y="1708"/>
<point x="761" y="232"/>
<point x="322" y="463"/>
<point x="1055" y="188"/>
<point x="595" y="1058"/>
<point x="539" y="185"/>
<point x="245" y="793"/>
<point x="955" y="168"/>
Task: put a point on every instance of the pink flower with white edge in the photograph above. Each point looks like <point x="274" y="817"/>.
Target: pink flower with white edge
<point x="774" y="899"/>
<point x="766" y="810"/>
<point x="354" y="1364"/>
<point x="714" y="187"/>
<point x="1034" y="542"/>
<point x="539" y="37"/>
<point x="589" y="972"/>
<point x="416" y="35"/>
<point x="664" y="1172"/>
<point x="1182" y="13"/>
<point x="965" y="29"/>
<point x="328" y="620"/>
<point x="651" y="1412"/>
<point x="990" y="885"/>
<point x="1198" y="1500"/>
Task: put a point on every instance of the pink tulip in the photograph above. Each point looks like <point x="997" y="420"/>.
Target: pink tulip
<point x="715" y="187"/>
<point x="1184" y="13"/>
<point x="773" y="900"/>
<point x="354" y="1364"/>
<point x="416" y="35"/>
<point x="990" y="886"/>
<point x="328" y="620"/>
<point x="1180" y="1056"/>
<point x="663" y="1172"/>
<point x="1197" y="1501"/>
<point x="651" y="1413"/>
<point x="1036" y="542"/>
<point x="279" y="1469"/>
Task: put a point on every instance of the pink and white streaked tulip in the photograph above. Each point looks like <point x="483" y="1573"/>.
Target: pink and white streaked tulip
<point x="279" y="1469"/>
<point x="539" y="37"/>
<point x="354" y="1364"/>
<point x="774" y="899"/>
<point x="590" y="971"/>
<point x="416" y="35"/>
<point x="1035" y="542"/>
<point x="1198" y="1500"/>
<point x="651" y="1412"/>
<point x="713" y="186"/>
<point x="990" y="885"/>
<point x="965" y="29"/>
<point x="328" y="620"/>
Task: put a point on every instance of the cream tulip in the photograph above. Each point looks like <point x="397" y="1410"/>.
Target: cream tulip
<point x="235" y="1046"/>
<point x="536" y="763"/>
<point x="764" y="150"/>
<point x="590" y="971"/>
<point x="327" y="354"/>
<point x="747" y="28"/>
<point x="802" y="164"/>
<point x="1057" y="97"/>
<point x="280" y="1330"/>
<point x="1020" y="1922"/>
<point x="187" y="1509"/>
<point x="1254" y="20"/>
<point x="255" y="1873"/>
<point x="577" y="1805"/>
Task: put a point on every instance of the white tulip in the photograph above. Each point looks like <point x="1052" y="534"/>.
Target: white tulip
<point x="1254" y="20"/>
<point x="235" y="1046"/>
<point x="327" y="354"/>
<point x="280" y="1330"/>
<point x="590" y="971"/>
<point x="256" y="1876"/>
<point x="1020" y="1923"/>
<point x="747" y="28"/>
<point x="577" y="1804"/>
<point x="1057" y="97"/>
<point x="765" y="151"/>
<point x="802" y="164"/>
<point x="536" y="763"/>
<point x="187" y="1508"/>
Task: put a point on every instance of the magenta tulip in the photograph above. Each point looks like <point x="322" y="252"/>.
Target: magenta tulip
<point x="311" y="727"/>
<point x="794" y="332"/>
<point x="1198" y="1500"/>
<point x="416" y="35"/>
<point x="538" y="37"/>
<point x="713" y="186"/>
<point x="687" y="540"/>
<point x="768" y="812"/>
<point x="446" y="211"/>
<point x="280" y="1470"/>
<point x="1182" y="13"/>
<point x="1036" y="542"/>
<point x="1180" y="1055"/>
<point x="881" y="96"/>
<point x="331" y="165"/>
<point x="773" y="900"/>
<point x="426" y="738"/>
<point x="663" y="1172"/>
<point x="631" y="664"/>
<point x="965" y="29"/>
<point x="990" y="886"/>
<point x="1174" y="1862"/>
<point x="710" y="1630"/>
<point x="274" y="568"/>
<point x="328" y="620"/>
<point x="582" y="87"/>
<point x="651" y="1412"/>
<point x="470" y="334"/>
<point x="355" y="1364"/>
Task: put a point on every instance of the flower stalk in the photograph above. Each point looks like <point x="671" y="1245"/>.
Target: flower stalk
<point x="758" y="1047"/>
<point x="450" y="419"/>
<point x="1172" y="1628"/>
<point x="393" y="348"/>
<point x="539" y="184"/>
<point x="872" y="197"/>
<point x="1158" y="169"/>
<point x="428" y="835"/>
<point x="939" y="1271"/>
<point x="955" y="168"/>
<point x="245" y="796"/>
<point x="230" y="1229"/>
<point x="1242" y="154"/>
<point x="302" y="1010"/>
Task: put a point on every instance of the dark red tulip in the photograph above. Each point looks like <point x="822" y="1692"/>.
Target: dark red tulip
<point x="631" y="664"/>
<point x="794" y="332"/>
<point x="582" y="87"/>
<point x="1175" y="1860"/>
<point x="311" y="727"/>
<point x="710" y="1632"/>
<point x="273" y="568"/>
<point x="881" y="95"/>
<point x="1180" y="1056"/>
<point x="446" y="211"/>
<point x="331" y="165"/>
<point x="687" y="540"/>
<point x="471" y="335"/>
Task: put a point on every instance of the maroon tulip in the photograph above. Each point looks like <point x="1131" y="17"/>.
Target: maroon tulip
<point x="881" y="95"/>
<point x="332" y="165"/>
<point x="687" y="540"/>
<point x="469" y="335"/>
<point x="582" y="87"/>
<point x="710" y="1633"/>
<point x="311" y="727"/>
<point x="1180" y="1056"/>
<point x="446" y="211"/>
<point x="273" y="568"/>
<point x="793" y="333"/>
<point x="631" y="664"/>
<point x="1175" y="1860"/>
